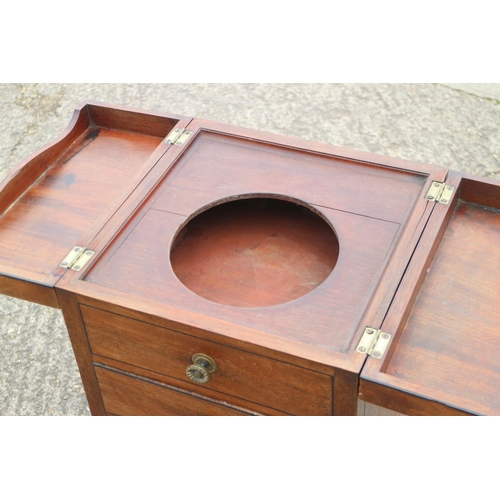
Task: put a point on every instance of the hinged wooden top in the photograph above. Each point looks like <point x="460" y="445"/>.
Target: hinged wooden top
<point x="62" y="195"/>
<point x="445" y="316"/>
<point x="374" y="206"/>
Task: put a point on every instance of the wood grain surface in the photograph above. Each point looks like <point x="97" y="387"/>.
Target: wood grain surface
<point x="365" y="205"/>
<point x="213" y="168"/>
<point x="250" y="377"/>
<point x="447" y="349"/>
<point x="68" y="190"/>
<point x="126" y="395"/>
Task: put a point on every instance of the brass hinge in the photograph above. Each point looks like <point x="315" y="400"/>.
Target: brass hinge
<point x="440" y="192"/>
<point x="178" y="136"/>
<point x="374" y="342"/>
<point x="77" y="258"/>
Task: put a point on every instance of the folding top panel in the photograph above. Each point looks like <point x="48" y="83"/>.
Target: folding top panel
<point x="444" y="358"/>
<point x="274" y="253"/>
<point x="266" y="233"/>
<point x="59" y="197"/>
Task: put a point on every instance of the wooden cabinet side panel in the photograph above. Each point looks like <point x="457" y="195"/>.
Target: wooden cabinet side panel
<point x="76" y="330"/>
<point x="26" y="290"/>
<point x="404" y="402"/>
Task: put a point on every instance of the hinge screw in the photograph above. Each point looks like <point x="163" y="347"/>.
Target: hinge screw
<point x="376" y="354"/>
<point x="362" y="349"/>
<point x="436" y="184"/>
<point x="430" y="197"/>
<point x="385" y="336"/>
<point x="369" y="331"/>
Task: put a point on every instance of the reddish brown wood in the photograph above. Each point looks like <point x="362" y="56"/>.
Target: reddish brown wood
<point x="27" y="172"/>
<point x="345" y="393"/>
<point x="76" y="330"/>
<point x="382" y="289"/>
<point x="219" y="166"/>
<point x="326" y="316"/>
<point x="133" y="270"/>
<point x="446" y="314"/>
<point x="255" y="378"/>
<point x="68" y="190"/>
<point x="32" y="292"/>
<point x="51" y="217"/>
<point x="136" y="120"/>
<point x="414" y="405"/>
<point x="279" y="343"/>
<point x="254" y="252"/>
<point x="222" y="336"/>
<point x="187" y="386"/>
<point x="126" y="395"/>
<point x="315" y="319"/>
<point x="404" y="301"/>
<point x="477" y="190"/>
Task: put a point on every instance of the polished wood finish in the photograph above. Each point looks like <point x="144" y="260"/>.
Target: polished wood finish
<point x="255" y="378"/>
<point x="76" y="330"/>
<point x="367" y="205"/>
<point x="394" y="400"/>
<point x="334" y="240"/>
<point x="345" y="392"/>
<point x="62" y="195"/>
<point x="254" y="252"/>
<point x="185" y="385"/>
<point x="39" y="294"/>
<point x="134" y="268"/>
<point x="127" y="395"/>
<point x="446" y="315"/>
<point x="220" y="165"/>
<point x="27" y="172"/>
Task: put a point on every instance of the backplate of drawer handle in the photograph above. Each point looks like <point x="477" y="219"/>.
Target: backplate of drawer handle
<point x="201" y="368"/>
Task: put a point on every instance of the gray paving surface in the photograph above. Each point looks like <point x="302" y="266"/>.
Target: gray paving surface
<point x="443" y="124"/>
<point x="487" y="90"/>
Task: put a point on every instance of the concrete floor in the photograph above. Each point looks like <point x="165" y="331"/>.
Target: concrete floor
<point x="453" y="125"/>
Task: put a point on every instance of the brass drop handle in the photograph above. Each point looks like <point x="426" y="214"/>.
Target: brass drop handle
<point x="200" y="371"/>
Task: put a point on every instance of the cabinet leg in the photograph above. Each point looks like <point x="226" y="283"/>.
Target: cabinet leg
<point x="74" y="323"/>
<point x="345" y="393"/>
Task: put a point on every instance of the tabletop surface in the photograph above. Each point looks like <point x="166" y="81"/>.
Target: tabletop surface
<point x="432" y="123"/>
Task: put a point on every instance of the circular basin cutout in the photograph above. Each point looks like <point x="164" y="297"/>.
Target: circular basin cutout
<point x="254" y="252"/>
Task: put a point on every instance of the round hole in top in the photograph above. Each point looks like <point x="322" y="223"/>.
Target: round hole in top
<point x="254" y="252"/>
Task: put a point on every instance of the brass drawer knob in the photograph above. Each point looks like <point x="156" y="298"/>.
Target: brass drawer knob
<point x="200" y="371"/>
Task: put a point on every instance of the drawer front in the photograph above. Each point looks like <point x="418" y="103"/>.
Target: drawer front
<point x="129" y="396"/>
<point x="248" y="376"/>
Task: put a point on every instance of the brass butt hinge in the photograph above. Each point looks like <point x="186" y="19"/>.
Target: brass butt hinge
<point x="374" y="342"/>
<point x="440" y="192"/>
<point x="77" y="258"/>
<point x="178" y="136"/>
